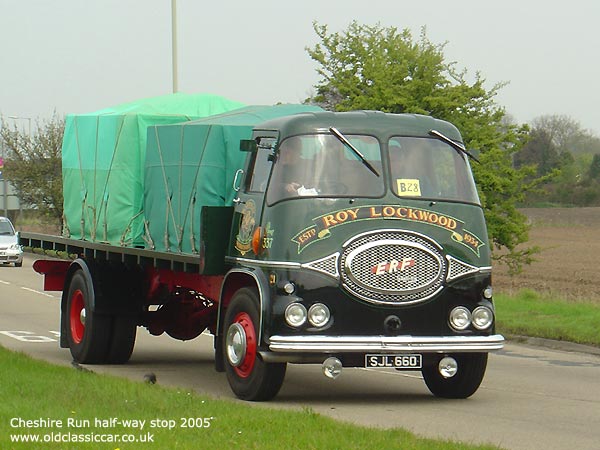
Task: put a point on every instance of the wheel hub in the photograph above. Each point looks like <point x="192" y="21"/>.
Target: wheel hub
<point x="241" y="345"/>
<point x="77" y="317"/>
<point x="236" y="344"/>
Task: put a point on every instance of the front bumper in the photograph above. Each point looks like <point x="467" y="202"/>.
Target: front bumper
<point x="385" y="344"/>
<point x="11" y="256"/>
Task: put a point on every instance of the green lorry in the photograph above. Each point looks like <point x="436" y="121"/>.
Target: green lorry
<point x="293" y="235"/>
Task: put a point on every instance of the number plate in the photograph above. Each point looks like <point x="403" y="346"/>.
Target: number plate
<point x="394" y="361"/>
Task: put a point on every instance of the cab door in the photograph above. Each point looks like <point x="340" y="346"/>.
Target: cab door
<point x="249" y="203"/>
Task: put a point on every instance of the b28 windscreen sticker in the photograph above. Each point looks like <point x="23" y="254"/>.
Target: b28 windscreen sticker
<point x="323" y="225"/>
<point x="408" y="187"/>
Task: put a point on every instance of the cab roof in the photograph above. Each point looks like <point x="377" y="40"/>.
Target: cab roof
<point x="376" y="123"/>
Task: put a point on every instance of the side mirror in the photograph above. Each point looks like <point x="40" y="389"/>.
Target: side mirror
<point x="248" y="145"/>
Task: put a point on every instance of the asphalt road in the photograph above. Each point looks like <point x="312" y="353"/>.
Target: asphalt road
<point x="531" y="398"/>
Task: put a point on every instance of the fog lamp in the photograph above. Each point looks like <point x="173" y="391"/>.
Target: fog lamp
<point x="482" y="317"/>
<point x="318" y="315"/>
<point x="448" y="367"/>
<point x="332" y="367"/>
<point x="460" y="318"/>
<point x="295" y="315"/>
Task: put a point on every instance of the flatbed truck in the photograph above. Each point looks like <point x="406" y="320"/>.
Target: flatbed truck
<point x="352" y="240"/>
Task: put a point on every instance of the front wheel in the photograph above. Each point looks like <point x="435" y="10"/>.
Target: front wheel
<point x="466" y="381"/>
<point x="249" y="376"/>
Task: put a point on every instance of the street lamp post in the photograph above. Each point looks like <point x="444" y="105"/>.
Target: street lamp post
<point x="4" y="186"/>
<point x="174" y="43"/>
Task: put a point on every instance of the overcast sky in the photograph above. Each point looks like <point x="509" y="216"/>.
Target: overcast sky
<point x="76" y="56"/>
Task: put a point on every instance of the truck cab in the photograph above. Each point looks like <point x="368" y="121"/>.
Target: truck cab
<point x="358" y="240"/>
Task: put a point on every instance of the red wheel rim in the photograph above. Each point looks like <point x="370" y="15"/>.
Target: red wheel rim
<point x="245" y="368"/>
<point x="75" y="316"/>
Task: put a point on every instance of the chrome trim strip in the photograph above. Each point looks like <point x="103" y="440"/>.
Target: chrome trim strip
<point x="260" y="263"/>
<point x="391" y="344"/>
<point x="307" y="265"/>
<point x="288" y="264"/>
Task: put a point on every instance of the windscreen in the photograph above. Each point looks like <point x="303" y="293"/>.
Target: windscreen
<point x="6" y="228"/>
<point x="430" y="168"/>
<point x="321" y="166"/>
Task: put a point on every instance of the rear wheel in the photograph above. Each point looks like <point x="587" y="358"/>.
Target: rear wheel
<point x="466" y="381"/>
<point x="96" y="338"/>
<point x="249" y="376"/>
<point x="88" y="334"/>
<point x="124" y="329"/>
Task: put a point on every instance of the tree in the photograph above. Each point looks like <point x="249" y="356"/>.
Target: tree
<point x="33" y="165"/>
<point x="371" y="67"/>
<point x="539" y="151"/>
<point x="559" y="143"/>
<point x="594" y="171"/>
<point x="566" y="134"/>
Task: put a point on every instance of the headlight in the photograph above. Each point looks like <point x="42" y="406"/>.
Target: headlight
<point x="318" y="315"/>
<point x="460" y="318"/>
<point x="483" y="317"/>
<point x="488" y="292"/>
<point x="295" y="315"/>
<point x="15" y="247"/>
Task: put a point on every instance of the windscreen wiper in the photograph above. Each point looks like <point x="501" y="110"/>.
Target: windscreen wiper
<point x="453" y="144"/>
<point x="347" y="143"/>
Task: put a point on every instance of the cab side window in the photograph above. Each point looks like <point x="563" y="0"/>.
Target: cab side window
<point x="260" y="168"/>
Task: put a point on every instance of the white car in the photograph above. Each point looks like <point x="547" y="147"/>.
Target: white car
<point x="10" y="250"/>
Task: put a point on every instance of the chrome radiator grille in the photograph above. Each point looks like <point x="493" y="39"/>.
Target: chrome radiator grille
<point x="392" y="267"/>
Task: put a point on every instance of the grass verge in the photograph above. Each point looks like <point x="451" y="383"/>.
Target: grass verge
<point x="85" y="401"/>
<point x="531" y="314"/>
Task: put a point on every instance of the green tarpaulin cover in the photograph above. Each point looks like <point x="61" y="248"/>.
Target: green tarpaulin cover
<point x="103" y="157"/>
<point x="192" y="165"/>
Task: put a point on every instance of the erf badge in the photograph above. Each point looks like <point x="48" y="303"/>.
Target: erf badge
<point x="243" y="241"/>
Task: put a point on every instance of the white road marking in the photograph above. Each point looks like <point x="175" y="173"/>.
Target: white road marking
<point x="27" y="336"/>
<point x="37" y="292"/>
<point x="4" y="282"/>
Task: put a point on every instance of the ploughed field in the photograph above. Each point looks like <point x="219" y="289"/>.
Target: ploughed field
<point x="567" y="266"/>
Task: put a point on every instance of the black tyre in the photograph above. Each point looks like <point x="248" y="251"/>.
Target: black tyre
<point x="88" y="334"/>
<point x="471" y="370"/>
<point x="18" y="264"/>
<point x="249" y="376"/>
<point x="122" y="339"/>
